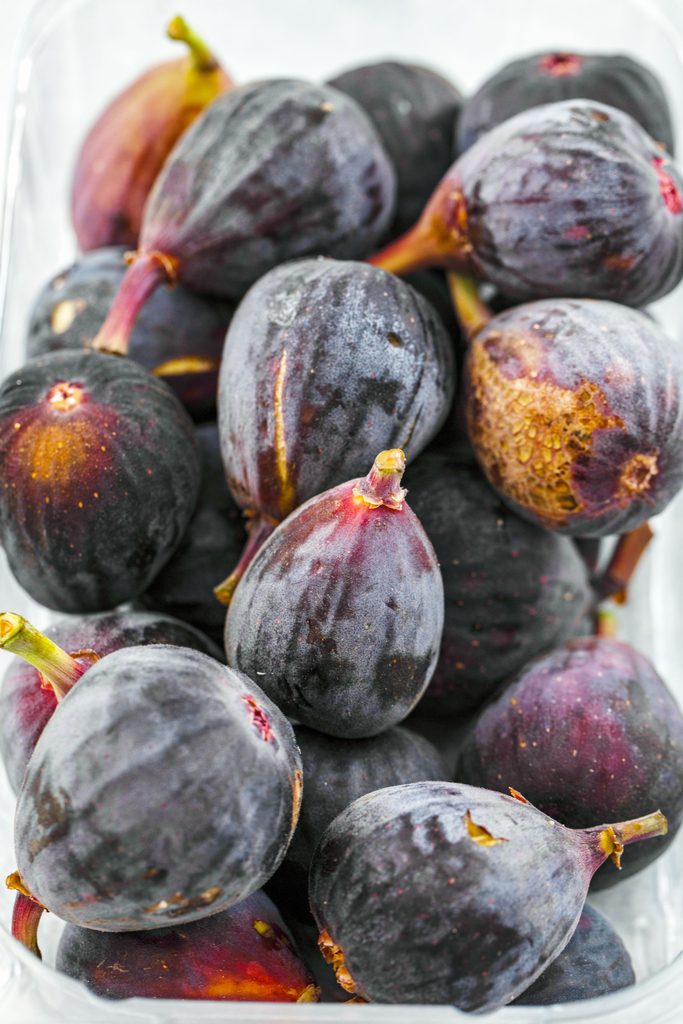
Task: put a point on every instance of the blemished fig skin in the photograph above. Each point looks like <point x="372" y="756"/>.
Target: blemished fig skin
<point x="438" y="892"/>
<point x="243" y="954"/>
<point x="100" y="472"/>
<point x="270" y="171"/>
<point x="614" y="79"/>
<point x="126" y="147"/>
<point x="414" y="110"/>
<point x="571" y="199"/>
<point x="511" y="589"/>
<point x="594" y="963"/>
<point x="588" y="731"/>
<point x="27" y="702"/>
<point x="339" y="615"/>
<point x="178" y="336"/>
<point x="337" y="772"/>
<point x="575" y="414"/>
<point x="175" y="759"/>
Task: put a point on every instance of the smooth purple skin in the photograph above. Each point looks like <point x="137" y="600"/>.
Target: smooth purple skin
<point x="614" y="79"/>
<point x="594" y="963"/>
<point x="270" y="171"/>
<point x="589" y="732"/>
<point x="565" y="199"/>
<point x="425" y="914"/>
<point x="638" y="373"/>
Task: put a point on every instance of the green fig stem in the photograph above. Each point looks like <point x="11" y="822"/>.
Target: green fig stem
<point x="26" y="915"/>
<point x="260" y="528"/>
<point x="614" y="581"/>
<point x="146" y="272"/>
<point x="382" y="485"/>
<point x="56" y="667"/>
<point x="472" y="313"/>
<point x="412" y="251"/>
<point x="605" y="623"/>
<point x="200" y="54"/>
<point x="610" y="840"/>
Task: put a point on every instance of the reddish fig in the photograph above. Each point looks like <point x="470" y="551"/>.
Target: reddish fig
<point x="441" y="893"/>
<point x="126" y="147"/>
<point x="242" y="954"/>
<point x="100" y="474"/>
<point x="339" y="615"/>
<point x="567" y="199"/>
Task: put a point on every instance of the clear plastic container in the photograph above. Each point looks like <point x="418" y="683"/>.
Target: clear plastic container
<point x="74" y="55"/>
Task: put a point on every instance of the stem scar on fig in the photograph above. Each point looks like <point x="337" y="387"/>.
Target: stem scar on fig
<point x="333" y="955"/>
<point x="382" y="485"/>
<point x="479" y="834"/>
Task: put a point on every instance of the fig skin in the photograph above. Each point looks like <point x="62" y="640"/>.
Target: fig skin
<point x="613" y="79"/>
<point x="320" y="351"/>
<point x="180" y="762"/>
<point x="26" y="705"/>
<point x="414" y="110"/>
<point x="575" y="414"/>
<point x="339" y="615"/>
<point x="571" y="199"/>
<point x="589" y="731"/>
<point x="101" y="475"/>
<point x="594" y="963"/>
<point x="178" y="335"/>
<point x="511" y="589"/>
<point x="243" y="954"/>
<point x="127" y="145"/>
<point x="438" y="892"/>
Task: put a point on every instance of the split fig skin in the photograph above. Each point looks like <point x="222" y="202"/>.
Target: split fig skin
<point x="588" y="731"/>
<point x="339" y="615"/>
<point x="570" y="199"/>
<point x="439" y="892"/>
<point x="575" y="414"/>
<point x="243" y="954"/>
<point x="613" y="79"/>
<point x="100" y="473"/>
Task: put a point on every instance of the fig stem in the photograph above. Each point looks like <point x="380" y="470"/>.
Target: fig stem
<point x="412" y="251"/>
<point x="472" y="312"/>
<point x="147" y="271"/>
<point x="26" y="915"/>
<point x="613" y="582"/>
<point x="611" y="839"/>
<point x="260" y="529"/>
<point x="382" y="485"/>
<point x="56" y="667"/>
<point x="605" y="623"/>
<point x="200" y="54"/>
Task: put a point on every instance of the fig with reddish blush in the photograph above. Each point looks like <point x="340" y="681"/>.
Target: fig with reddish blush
<point x="100" y="474"/>
<point x="512" y="589"/>
<point x="178" y="336"/>
<point x="270" y="171"/>
<point x="575" y="413"/>
<point x="610" y="78"/>
<point x="215" y="537"/>
<point x="339" y="615"/>
<point x="243" y="954"/>
<point x="337" y="772"/>
<point x="174" y="777"/>
<point x="320" y="352"/>
<point x="28" y="701"/>
<point x="437" y="892"/>
<point x="414" y="110"/>
<point x="588" y="731"/>
<point x="572" y="199"/>
<point x="594" y="963"/>
<point x="127" y="145"/>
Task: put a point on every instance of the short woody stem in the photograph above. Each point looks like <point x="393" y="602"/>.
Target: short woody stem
<point x="26" y="915"/>
<point x="472" y="313"/>
<point x="623" y="563"/>
<point x="382" y="485"/>
<point x="202" y="57"/>
<point x="260" y="529"/>
<point x="57" y="667"/>
<point x="610" y="840"/>
<point x="146" y="272"/>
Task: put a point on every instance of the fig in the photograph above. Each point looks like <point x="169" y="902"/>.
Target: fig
<point x="28" y="701"/>
<point x="244" y="953"/>
<point x="589" y="730"/>
<point x="320" y="351"/>
<point x="436" y="892"/>
<point x="339" y="615"/>
<point x="176" y="780"/>
<point x="594" y="963"/>
<point x="511" y="589"/>
<point x="100" y="475"/>
<point x="575" y="413"/>
<point x="414" y="110"/>
<point x="127" y="145"/>
<point x="178" y="336"/>
<point x="610" y="78"/>
<point x="568" y="199"/>
<point x="270" y="171"/>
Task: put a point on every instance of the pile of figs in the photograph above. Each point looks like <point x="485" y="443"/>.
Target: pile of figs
<point x="293" y="300"/>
